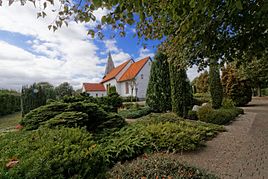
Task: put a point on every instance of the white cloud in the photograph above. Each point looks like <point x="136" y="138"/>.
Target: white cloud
<point x="65" y="55"/>
<point x="144" y="52"/>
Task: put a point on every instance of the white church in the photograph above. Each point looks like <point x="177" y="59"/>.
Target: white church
<point x="130" y="79"/>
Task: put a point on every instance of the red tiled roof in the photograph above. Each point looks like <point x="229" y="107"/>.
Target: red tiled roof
<point x="115" y="72"/>
<point x="133" y="70"/>
<point x="94" y="87"/>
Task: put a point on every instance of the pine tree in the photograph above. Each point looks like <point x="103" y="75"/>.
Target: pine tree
<point x="159" y="92"/>
<point x="215" y="85"/>
<point x="181" y="93"/>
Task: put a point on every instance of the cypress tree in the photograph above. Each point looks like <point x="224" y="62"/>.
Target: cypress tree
<point x="181" y="93"/>
<point x="215" y="85"/>
<point x="159" y="92"/>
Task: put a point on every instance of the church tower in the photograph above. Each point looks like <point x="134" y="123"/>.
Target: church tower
<point x="109" y="65"/>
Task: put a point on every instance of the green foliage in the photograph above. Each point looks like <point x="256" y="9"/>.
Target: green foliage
<point x="68" y="119"/>
<point x="111" y="102"/>
<point x="112" y="90"/>
<point x="74" y="153"/>
<point x="9" y="102"/>
<point x="64" y="89"/>
<point x="74" y="114"/>
<point x="181" y="92"/>
<point x="158" y="91"/>
<point x="192" y="115"/>
<point x="156" y="166"/>
<point x="134" y="113"/>
<point x="201" y="83"/>
<point x="200" y="98"/>
<point x="215" y="85"/>
<point x="36" y="117"/>
<point x="130" y="99"/>
<point x="36" y="95"/>
<point x="235" y="86"/>
<point x="46" y="153"/>
<point x="218" y="116"/>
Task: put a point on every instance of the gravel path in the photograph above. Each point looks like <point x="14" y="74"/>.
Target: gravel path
<point x="242" y="151"/>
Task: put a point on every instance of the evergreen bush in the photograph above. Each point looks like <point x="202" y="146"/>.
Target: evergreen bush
<point x="181" y="92"/>
<point x="36" y="95"/>
<point x="215" y="85"/>
<point x="219" y="116"/>
<point x="9" y="102"/>
<point x="156" y="166"/>
<point x="158" y="91"/>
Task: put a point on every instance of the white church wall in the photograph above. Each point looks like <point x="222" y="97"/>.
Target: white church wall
<point x="97" y="93"/>
<point x="142" y="80"/>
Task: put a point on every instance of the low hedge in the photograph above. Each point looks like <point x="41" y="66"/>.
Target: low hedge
<point x="156" y="166"/>
<point x="219" y="116"/>
<point x="46" y="153"/>
<point x="134" y="113"/>
<point x="9" y="102"/>
<point x="75" y="114"/>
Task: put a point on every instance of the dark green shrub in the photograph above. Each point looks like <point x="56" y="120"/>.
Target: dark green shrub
<point x="130" y="99"/>
<point x="192" y="115"/>
<point x="76" y="114"/>
<point x="156" y="166"/>
<point x="113" y="121"/>
<point x="47" y="153"/>
<point x="215" y="86"/>
<point x="36" y="95"/>
<point x="134" y="113"/>
<point x="9" y="102"/>
<point x="219" y="116"/>
<point x="181" y="91"/>
<point x="36" y="117"/>
<point x="68" y="119"/>
<point x="158" y="92"/>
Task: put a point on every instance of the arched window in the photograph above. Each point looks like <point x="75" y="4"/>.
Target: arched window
<point x="141" y="76"/>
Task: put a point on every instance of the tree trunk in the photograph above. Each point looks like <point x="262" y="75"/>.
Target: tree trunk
<point x="259" y="90"/>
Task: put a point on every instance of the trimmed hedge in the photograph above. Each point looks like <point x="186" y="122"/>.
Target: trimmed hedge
<point x="156" y="166"/>
<point x="76" y="114"/>
<point x="134" y="113"/>
<point x="218" y="116"/>
<point x="9" y="102"/>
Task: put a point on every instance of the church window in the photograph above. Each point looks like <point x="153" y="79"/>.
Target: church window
<point x="141" y="76"/>
<point x="127" y="88"/>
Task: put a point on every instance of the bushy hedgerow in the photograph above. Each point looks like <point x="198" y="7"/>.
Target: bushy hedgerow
<point x="36" y="117"/>
<point x="75" y="114"/>
<point x="46" y="153"/>
<point x="149" y="135"/>
<point x="134" y="113"/>
<point x="9" y="102"/>
<point x="130" y="99"/>
<point x="156" y="166"/>
<point x="218" y="116"/>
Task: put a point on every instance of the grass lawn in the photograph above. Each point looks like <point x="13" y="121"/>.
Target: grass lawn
<point x="9" y="122"/>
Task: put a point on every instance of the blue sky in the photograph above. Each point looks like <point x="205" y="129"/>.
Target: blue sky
<point x="30" y="53"/>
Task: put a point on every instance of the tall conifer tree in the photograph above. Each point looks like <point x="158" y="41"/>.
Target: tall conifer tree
<point x="181" y="93"/>
<point x="215" y="85"/>
<point x="159" y="92"/>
